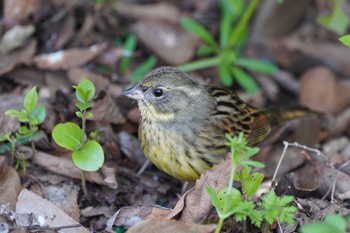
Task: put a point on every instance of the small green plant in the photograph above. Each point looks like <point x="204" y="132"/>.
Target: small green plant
<point x="226" y="54"/>
<point x="87" y="155"/>
<point x="30" y="117"/>
<point x="232" y="202"/>
<point x="129" y="47"/>
<point x="332" y="223"/>
<point x="337" y="20"/>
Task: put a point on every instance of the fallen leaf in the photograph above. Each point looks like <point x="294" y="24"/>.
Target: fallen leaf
<point x="130" y="215"/>
<point x="170" y="42"/>
<point x="10" y="184"/>
<point x="321" y="91"/>
<point x="105" y="109"/>
<point x="67" y="59"/>
<point x="195" y="205"/>
<point x="30" y="203"/>
<point x="19" y="11"/>
<point x="16" y="38"/>
<point x="65" y="166"/>
<point x="169" y="226"/>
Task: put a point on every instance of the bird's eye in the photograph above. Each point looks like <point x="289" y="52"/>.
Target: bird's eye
<point x="157" y="92"/>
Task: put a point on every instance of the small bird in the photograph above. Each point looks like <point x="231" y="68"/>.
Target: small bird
<point x="183" y="122"/>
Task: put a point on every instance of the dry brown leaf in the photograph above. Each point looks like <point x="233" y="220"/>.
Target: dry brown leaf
<point x="320" y="90"/>
<point x="18" y="57"/>
<point x="106" y="110"/>
<point x="169" y="226"/>
<point x="170" y="42"/>
<point x="196" y="202"/>
<point x="69" y="58"/>
<point x="130" y="146"/>
<point x="10" y="184"/>
<point x="110" y="57"/>
<point x="30" y="203"/>
<point x="76" y="74"/>
<point x="335" y="55"/>
<point x="130" y="215"/>
<point x="65" y="166"/>
<point x="66" y="31"/>
<point x="159" y="11"/>
<point x="16" y="38"/>
<point x="19" y="11"/>
<point x="8" y="124"/>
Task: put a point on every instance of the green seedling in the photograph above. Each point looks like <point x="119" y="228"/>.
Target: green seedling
<point x="129" y="48"/>
<point x="333" y="223"/>
<point x="30" y="117"/>
<point x="87" y="155"/>
<point x="232" y="202"/>
<point x="226" y="54"/>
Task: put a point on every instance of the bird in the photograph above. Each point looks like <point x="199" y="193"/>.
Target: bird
<point x="184" y="122"/>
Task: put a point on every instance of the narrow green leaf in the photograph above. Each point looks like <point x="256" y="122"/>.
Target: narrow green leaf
<point x="68" y="135"/>
<point x="200" y="64"/>
<point x="245" y="80"/>
<point x="345" y="40"/>
<point x="129" y="47"/>
<point x="30" y="100"/>
<point x="225" y="75"/>
<point x="90" y="157"/>
<point x="142" y="69"/>
<point x="257" y="66"/>
<point x="205" y="50"/>
<point x="198" y="30"/>
<point x="85" y="91"/>
<point x="252" y="163"/>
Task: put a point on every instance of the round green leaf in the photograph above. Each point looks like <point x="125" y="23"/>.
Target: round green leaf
<point x="85" y="91"/>
<point x="68" y="135"/>
<point x="90" y="157"/>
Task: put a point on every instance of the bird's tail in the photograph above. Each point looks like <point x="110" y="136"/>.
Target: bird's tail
<point x="277" y="116"/>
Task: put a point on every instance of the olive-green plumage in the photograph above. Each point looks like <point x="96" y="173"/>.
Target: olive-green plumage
<point x="183" y="122"/>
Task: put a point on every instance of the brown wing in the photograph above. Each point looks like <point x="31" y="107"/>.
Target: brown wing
<point x="233" y="116"/>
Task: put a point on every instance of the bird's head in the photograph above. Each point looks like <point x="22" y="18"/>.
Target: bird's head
<point x="167" y="94"/>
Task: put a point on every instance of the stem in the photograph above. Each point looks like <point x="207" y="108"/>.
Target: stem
<point x="83" y="185"/>
<point x="229" y="190"/>
<point x="83" y="126"/>
<point x="220" y="224"/>
<point x="243" y="22"/>
<point x="13" y="144"/>
<point x="200" y="64"/>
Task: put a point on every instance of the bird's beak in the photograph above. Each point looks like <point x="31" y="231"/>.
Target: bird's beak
<point x="134" y="92"/>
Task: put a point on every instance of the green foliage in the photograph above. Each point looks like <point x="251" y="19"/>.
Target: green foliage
<point x="337" y="20"/>
<point x="31" y="117"/>
<point x="275" y="207"/>
<point x="90" y="157"/>
<point x="345" y="40"/>
<point x="226" y="55"/>
<point x="86" y="155"/>
<point x="332" y="223"/>
<point x="142" y="69"/>
<point x="68" y="135"/>
<point x="137" y="73"/>
<point x="231" y="202"/>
